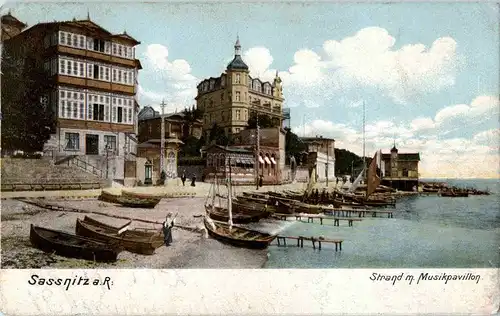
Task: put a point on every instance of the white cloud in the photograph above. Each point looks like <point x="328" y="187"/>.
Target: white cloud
<point x="365" y="60"/>
<point x="172" y="80"/>
<point x="477" y="156"/>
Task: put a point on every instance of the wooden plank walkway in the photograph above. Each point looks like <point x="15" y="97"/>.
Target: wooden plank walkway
<point x="300" y="241"/>
<point x="311" y="217"/>
<point x="361" y="212"/>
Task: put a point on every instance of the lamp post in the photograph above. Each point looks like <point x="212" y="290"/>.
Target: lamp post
<point x="162" y="138"/>
<point x="106" y="148"/>
<point x="257" y="150"/>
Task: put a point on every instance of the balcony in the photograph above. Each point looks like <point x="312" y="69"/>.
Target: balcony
<point x="95" y="84"/>
<point x="100" y="56"/>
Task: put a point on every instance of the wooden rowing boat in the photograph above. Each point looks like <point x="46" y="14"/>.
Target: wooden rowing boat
<point x="135" y="244"/>
<point x="136" y="195"/>
<point x="454" y="194"/>
<point x="138" y="203"/>
<point x="238" y="236"/>
<point x="156" y="234"/>
<point x="109" y="197"/>
<point x="221" y="214"/>
<point x="69" y="245"/>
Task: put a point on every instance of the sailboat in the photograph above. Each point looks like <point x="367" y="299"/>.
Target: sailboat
<point x="234" y="235"/>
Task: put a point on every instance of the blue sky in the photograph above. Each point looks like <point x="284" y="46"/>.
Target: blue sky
<point x="428" y="74"/>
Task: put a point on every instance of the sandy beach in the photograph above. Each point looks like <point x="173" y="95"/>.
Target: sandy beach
<point x="188" y="250"/>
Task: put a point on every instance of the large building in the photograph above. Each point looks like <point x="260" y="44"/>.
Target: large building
<point x="176" y="125"/>
<point x="93" y="78"/>
<point x="232" y="98"/>
<point x="321" y="156"/>
<point x="400" y="170"/>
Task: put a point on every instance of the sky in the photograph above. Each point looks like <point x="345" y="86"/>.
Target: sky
<point x="426" y="74"/>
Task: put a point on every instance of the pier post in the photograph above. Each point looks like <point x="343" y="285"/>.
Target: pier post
<point x="319" y="244"/>
<point x="314" y="242"/>
<point x="336" y="222"/>
<point x="350" y="222"/>
<point x="321" y="221"/>
<point x="336" y="246"/>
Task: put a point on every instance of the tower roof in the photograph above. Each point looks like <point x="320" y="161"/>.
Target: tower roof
<point x="237" y="63"/>
<point x="11" y="20"/>
<point x="394" y="149"/>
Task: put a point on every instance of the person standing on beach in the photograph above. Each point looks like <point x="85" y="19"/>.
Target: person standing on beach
<point x="183" y="177"/>
<point x="167" y="229"/>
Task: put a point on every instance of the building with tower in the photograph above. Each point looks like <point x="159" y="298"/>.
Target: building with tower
<point x="400" y="170"/>
<point x="92" y="85"/>
<point x="232" y="98"/>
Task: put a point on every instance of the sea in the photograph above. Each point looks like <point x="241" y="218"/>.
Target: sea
<point x="425" y="232"/>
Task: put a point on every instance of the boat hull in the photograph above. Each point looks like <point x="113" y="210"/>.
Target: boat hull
<point x="69" y="245"/>
<point x="143" y="246"/>
<point x="222" y="234"/>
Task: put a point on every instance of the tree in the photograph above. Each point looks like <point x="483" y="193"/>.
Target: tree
<point x="264" y="121"/>
<point x="28" y="119"/>
<point x="345" y="161"/>
<point x="217" y="134"/>
<point x="191" y="146"/>
<point x="294" y="146"/>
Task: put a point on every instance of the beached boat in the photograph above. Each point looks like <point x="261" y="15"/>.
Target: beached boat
<point x="220" y="214"/>
<point x="136" y="195"/>
<point x="138" y="202"/>
<point x="69" y="245"/>
<point x="238" y="236"/>
<point x="150" y="233"/>
<point x="108" y="197"/>
<point x="130" y="242"/>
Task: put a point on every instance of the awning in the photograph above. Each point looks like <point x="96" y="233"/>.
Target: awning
<point x="261" y="160"/>
<point x="273" y="161"/>
<point x="267" y="160"/>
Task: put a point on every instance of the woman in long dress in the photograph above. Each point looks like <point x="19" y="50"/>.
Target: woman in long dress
<point x="167" y="229"/>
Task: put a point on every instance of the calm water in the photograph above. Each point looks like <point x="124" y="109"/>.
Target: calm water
<point x="426" y="232"/>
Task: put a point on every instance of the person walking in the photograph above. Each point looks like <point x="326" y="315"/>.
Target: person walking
<point x="168" y="224"/>
<point x="193" y="181"/>
<point x="183" y="177"/>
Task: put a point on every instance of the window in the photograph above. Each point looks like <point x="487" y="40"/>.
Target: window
<point x="72" y="141"/>
<point x="222" y="97"/>
<point x="98" y="112"/>
<point x="107" y="74"/>
<point x="71" y="104"/>
<point x="99" y="45"/>
<point x="82" y="41"/>
<point x="96" y="72"/>
<point x="237" y="96"/>
<point x="120" y="114"/>
<point x="110" y="142"/>
<point x="237" y="80"/>
<point x="62" y="66"/>
<point x="81" y="70"/>
<point x="114" y="75"/>
<point x="237" y="115"/>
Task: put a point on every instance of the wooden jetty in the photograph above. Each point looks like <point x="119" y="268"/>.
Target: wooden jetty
<point x="361" y="212"/>
<point x="300" y="241"/>
<point x="311" y="217"/>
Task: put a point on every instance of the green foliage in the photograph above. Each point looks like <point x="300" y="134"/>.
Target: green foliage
<point x="294" y="146"/>
<point x="27" y="122"/>
<point x="346" y="160"/>
<point x="191" y="146"/>
<point x="191" y="161"/>
<point x="264" y="121"/>
<point x="217" y="134"/>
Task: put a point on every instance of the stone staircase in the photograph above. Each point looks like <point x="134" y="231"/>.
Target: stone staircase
<point x="42" y="174"/>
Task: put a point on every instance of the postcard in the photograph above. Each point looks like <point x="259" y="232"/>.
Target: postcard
<point x="204" y="157"/>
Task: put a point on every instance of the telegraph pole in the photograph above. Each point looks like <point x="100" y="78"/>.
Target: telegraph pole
<point x="257" y="151"/>
<point x="162" y="146"/>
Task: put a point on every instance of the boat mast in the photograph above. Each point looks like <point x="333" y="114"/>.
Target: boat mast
<point x="257" y="152"/>
<point x="364" y="145"/>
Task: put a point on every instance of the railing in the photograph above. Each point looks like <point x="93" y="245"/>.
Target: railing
<point x="8" y="187"/>
<point x="85" y="166"/>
